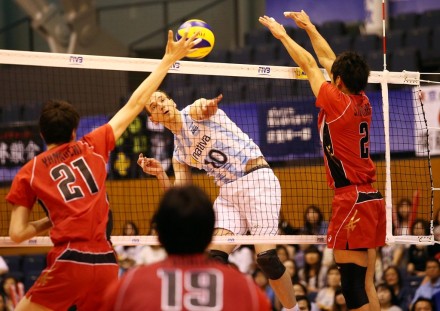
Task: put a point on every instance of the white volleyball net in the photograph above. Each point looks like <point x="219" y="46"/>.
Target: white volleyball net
<point x="273" y="105"/>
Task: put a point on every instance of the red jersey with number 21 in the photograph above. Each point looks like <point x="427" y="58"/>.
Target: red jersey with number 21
<point x="344" y="126"/>
<point x="69" y="181"/>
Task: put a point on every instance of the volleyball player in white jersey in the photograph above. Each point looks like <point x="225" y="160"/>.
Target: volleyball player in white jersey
<point x="250" y="193"/>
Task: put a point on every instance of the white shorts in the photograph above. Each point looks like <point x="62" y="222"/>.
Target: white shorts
<point x="251" y="203"/>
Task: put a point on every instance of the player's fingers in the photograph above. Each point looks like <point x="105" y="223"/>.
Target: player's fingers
<point x="218" y="98"/>
<point x="185" y="34"/>
<point x="170" y="36"/>
<point x="197" y="41"/>
<point x="193" y="39"/>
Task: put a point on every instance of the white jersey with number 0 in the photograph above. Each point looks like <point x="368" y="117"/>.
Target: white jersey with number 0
<point x="216" y="145"/>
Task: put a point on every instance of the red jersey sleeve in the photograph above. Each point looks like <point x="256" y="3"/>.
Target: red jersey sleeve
<point x="103" y="140"/>
<point x="332" y="101"/>
<point x="21" y="192"/>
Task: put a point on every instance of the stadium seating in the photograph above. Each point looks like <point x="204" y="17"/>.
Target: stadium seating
<point x="405" y="59"/>
<point x="430" y="19"/>
<point x="341" y="43"/>
<point x="331" y="29"/>
<point x="375" y="60"/>
<point x="242" y="55"/>
<point x="365" y="44"/>
<point x="395" y="39"/>
<point x="266" y="54"/>
<point x="404" y="21"/>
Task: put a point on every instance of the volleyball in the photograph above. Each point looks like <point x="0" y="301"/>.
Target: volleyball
<point x="205" y="33"/>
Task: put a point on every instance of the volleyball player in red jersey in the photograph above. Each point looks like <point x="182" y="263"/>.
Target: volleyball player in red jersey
<point x="69" y="181"/>
<point x="357" y="225"/>
<point x="188" y="279"/>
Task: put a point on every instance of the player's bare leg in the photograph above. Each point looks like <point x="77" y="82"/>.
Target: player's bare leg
<point x="26" y="305"/>
<point x="282" y="286"/>
<point x="369" y="281"/>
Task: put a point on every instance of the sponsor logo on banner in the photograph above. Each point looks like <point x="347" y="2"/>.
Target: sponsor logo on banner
<point x="430" y="97"/>
<point x="300" y="74"/>
<point x="76" y="60"/>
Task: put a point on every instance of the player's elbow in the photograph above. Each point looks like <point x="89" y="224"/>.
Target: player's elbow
<point x="16" y="235"/>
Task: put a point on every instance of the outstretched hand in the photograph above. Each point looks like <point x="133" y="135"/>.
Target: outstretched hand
<point x="150" y="165"/>
<point x="301" y="19"/>
<point x="203" y="108"/>
<point x="179" y="49"/>
<point x="275" y="28"/>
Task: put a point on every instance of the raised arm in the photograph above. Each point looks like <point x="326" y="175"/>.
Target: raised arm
<point x="325" y="54"/>
<point x="303" y="58"/>
<point x="203" y="109"/>
<point x="173" y="52"/>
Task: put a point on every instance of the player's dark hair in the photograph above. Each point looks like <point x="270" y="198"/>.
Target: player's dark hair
<point x="58" y="120"/>
<point x="185" y="220"/>
<point x="352" y="69"/>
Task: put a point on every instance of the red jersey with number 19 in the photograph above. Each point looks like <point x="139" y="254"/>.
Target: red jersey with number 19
<point x="185" y="283"/>
<point x="344" y="124"/>
<point x="69" y="181"/>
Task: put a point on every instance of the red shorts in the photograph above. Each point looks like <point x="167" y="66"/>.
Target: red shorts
<point x="76" y="274"/>
<point x="358" y="218"/>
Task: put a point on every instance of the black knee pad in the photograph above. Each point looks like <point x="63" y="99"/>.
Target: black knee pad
<point x="219" y="256"/>
<point x="270" y="264"/>
<point x="353" y="284"/>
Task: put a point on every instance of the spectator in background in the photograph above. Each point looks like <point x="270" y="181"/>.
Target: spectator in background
<point x="403" y="218"/>
<point x="282" y="252"/>
<point x="432" y="286"/>
<point x="403" y="293"/>
<point x="418" y="253"/>
<point x="326" y="295"/>
<point x="434" y="250"/>
<point x="340" y="304"/>
<point x="300" y="290"/>
<point x="128" y="254"/>
<point x="3" y="304"/>
<point x="387" y="299"/>
<point x="244" y="259"/>
<point x="188" y="278"/>
<point x="303" y="303"/>
<point x="292" y="269"/>
<point x="262" y="282"/>
<point x="151" y="253"/>
<point x="423" y="304"/>
<point x="313" y="274"/>
<point x="12" y="291"/>
<point x="3" y="267"/>
<point x="314" y="223"/>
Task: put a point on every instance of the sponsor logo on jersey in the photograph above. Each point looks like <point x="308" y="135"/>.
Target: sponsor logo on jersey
<point x="201" y="145"/>
<point x="193" y="128"/>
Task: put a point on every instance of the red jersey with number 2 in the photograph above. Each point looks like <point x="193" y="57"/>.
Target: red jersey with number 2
<point x="344" y="126"/>
<point x="69" y="181"/>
